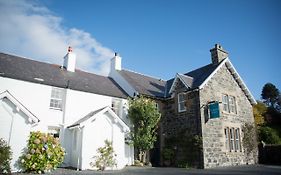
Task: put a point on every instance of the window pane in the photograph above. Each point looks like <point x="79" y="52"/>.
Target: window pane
<point x="225" y="103"/>
<point x="226" y="132"/>
<point x="181" y="102"/>
<point x="56" y="98"/>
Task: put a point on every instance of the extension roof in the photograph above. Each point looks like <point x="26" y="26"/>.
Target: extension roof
<point x="50" y="74"/>
<point x="145" y="85"/>
<point x="197" y="78"/>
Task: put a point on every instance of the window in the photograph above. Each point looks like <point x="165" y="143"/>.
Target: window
<point x="232" y="139"/>
<point x="181" y="102"/>
<point x="226" y="132"/>
<point x="237" y="140"/>
<point x="232" y="106"/>
<point x="56" y="98"/>
<point x="225" y="103"/>
<point x="116" y="105"/>
<point x="54" y="131"/>
<point x="229" y="104"/>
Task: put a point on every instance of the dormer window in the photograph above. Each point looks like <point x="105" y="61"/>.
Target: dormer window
<point x="181" y="102"/>
<point x="56" y="98"/>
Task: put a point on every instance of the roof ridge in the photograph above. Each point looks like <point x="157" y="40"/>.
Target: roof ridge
<point x="54" y="64"/>
<point x="160" y="79"/>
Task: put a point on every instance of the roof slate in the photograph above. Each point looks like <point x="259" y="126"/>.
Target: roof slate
<point x="27" y="70"/>
<point x="145" y="85"/>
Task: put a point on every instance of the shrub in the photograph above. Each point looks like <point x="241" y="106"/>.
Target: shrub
<point x="43" y="154"/>
<point x="269" y="135"/>
<point x="5" y="157"/>
<point x="105" y="157"/>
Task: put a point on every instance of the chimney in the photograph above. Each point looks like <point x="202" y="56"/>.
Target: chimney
<point x="218" y="54"/>
<point x="116" y="62"/>
<point x="69" y="60"/>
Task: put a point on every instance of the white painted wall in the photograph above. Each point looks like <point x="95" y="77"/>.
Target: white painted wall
<point x="14" y="129"/>
<point x="36" y="98"/>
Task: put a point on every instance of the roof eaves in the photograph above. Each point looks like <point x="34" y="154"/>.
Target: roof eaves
<point x="16" y="102"/>
<point x="241" y="82"/>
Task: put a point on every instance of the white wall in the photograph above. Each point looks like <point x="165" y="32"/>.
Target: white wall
<point x="15" y="129"/>
<point x="94" y="135"/>
<point x="36" y="98"/>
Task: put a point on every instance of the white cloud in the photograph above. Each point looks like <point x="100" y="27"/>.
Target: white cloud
<point x="31" y="30"/>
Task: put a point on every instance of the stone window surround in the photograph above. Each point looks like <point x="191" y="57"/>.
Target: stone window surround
<point x="235" y="126"/>
<point x="235" y="104"/>
<point x="183" y="101"/>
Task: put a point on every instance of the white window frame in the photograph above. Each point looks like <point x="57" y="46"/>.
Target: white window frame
<point x="229" y="104"/>
<point x="56" y="98"/>
<point x="232" y="104"/>
<point x="226" y="132"/>
<point x="232" y="139"/>
<point x="225" y="103"/>
<point x="237" y="140"/>
<point x="181" y="102"/>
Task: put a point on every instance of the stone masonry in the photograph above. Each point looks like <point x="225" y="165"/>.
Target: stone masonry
<point x="214" y="148"/>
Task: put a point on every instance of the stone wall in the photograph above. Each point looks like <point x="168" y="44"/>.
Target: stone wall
<point x="174" y="122"/>
<point x="214" y="147"/>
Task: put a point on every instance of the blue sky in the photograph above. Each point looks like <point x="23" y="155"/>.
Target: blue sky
<point x="154" y="37"/>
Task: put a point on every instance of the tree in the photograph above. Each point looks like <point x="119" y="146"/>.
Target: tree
<point x="259" y="111"/>
<point x="145" y="117"/>
<point x="270" y="94"/>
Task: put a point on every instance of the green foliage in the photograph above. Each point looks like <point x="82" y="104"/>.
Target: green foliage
<point x="44" y="153"/>
<point x="145" y="117"/>
<point x="270" y="94"/>
<point x="186" y="144"/>
<point x="5" y="157"/>
<point x="105" y="157"/>
<point x="168" y="153"/>
<point x="269" y="135"/>
<point x="259" y="111"/>
<point x="249" y="139"/>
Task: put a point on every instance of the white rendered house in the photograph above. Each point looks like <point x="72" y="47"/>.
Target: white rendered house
<point x="37" y="96"/>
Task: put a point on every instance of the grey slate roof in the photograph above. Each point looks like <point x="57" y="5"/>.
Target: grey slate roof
<point x="145" y="85"/>
<point x="25" y="69"/>
<point x="201" y="74"/>
<point x="186" y="79"/>
<point x="154" y="87"/>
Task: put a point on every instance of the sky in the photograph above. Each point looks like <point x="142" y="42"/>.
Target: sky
<point x="154" y="37"/>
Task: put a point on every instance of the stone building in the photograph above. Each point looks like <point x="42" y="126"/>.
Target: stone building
<point x="208" y="106"/>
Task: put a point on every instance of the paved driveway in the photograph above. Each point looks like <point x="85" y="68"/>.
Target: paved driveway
<point x="239" y="170"/>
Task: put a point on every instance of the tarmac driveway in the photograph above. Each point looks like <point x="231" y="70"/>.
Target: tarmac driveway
<point x="238" y="170"/>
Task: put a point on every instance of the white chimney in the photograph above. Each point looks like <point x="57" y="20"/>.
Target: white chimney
<point x="116" y="62"/>
<point x="69" y="60"/>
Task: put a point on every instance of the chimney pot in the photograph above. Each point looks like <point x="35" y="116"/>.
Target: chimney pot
<point x="69" y="60"/>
